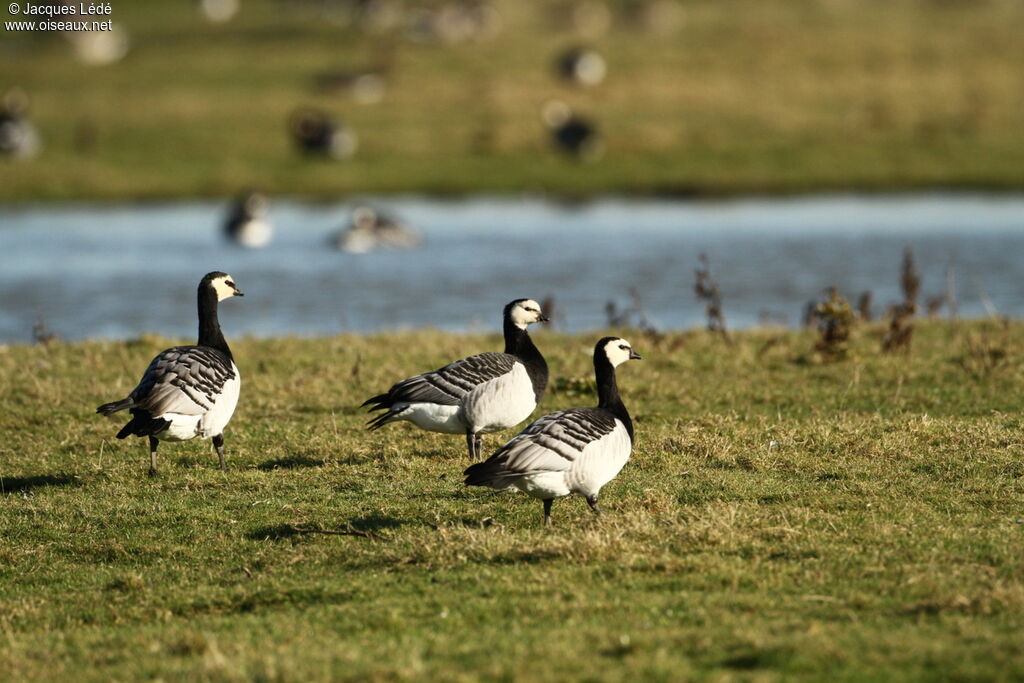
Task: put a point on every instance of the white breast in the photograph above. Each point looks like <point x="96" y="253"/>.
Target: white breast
<point x="544" y="485"/>
<point x="217" y="417"/>
<point x="255" y="234"/>
<point x="182" y="427"/>
<point x="500" y="403"/>
<point x="432" y="417"/>
<point x="600" y="462"/>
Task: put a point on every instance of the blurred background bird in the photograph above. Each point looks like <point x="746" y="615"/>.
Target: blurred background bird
<point x="100" y="48"/>
<point x="19" y="138"/>
<point x="370" y="230"/>
<point x="316" y="133"/>
<point x="219" y="11"/>
<point x="581" y="66"/>
<point x="572" y="134"/>
<point x="248" y="222"/>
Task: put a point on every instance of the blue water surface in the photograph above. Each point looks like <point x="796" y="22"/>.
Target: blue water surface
<point x="117" y="271"/>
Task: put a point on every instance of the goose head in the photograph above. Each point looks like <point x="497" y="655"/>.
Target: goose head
<point x="617" y="350"/>
<point x="555" y="114"/>
<point x="255" y="204"/>
<point x="523" y="312"/>
<point x="221" y="283"/>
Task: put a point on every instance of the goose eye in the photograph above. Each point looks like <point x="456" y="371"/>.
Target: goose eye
<point x="229" y="283"/>
<point x="623" y="347"/>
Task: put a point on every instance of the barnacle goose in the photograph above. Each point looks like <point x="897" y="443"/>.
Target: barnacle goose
<point x="316" y="133"/>
<point x="573" y="135"/>
<point x="248" y="224"/>
<point x="454" y="22"/>
<point x="581" y="66"/>
<point x="572" y="451"/>
<point x="219" y="11"/>
<point x="476" y="395"/>
<point x="371" y="230"/>
<point x="187" y="391"/>
<point x="19" y="138"/>
<point x="100" y="48"/>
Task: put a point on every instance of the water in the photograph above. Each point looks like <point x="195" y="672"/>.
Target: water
<point x="122" y="270"/>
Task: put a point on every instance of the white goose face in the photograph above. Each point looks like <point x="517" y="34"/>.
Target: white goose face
<point x="225" y="287"/>
<point x="256" y="205"/>
<point x="364" y="218"/>
<point x="526" y="312"/>
<point x="618" y="351"/>
<point x="555" y="113"/>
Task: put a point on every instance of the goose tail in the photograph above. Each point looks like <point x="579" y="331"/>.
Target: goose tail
<point x="378" y="402"/>
<point x="143" y="424"/>
<point x="113" y="407"/>
<point x="489" y="473"/>
<point x="380" y="420"/>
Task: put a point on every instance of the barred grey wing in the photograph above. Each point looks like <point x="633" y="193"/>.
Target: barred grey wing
<point x="185" y="380"/>
<point x="553" y="442"/>
<point x="448" y="385"/>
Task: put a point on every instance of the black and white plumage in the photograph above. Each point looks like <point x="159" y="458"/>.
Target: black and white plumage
<point x="572" y="134"/>
<point x="476" y="395"/>
<point x="316" y="133"/>
<point x="187" y="391"/>
<point x="19" y="138"/>
<point x="371" y="230"/>
<point x="248" y="223"/>
<point x="581" y="66"/>
<point x="572" y="451"/>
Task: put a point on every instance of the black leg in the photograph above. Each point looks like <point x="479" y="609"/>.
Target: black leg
<point x="153" y="443"/>
<point x="478" y="446"/>
<point x="592" y="502"/>
<point x="471" y="444"/>
<point x="547" y="511"/>
<point x="218" y="443"/>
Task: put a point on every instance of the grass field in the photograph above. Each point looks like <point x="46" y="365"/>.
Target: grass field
<point x="780" y="518"/>
<point x="746" y="96"/>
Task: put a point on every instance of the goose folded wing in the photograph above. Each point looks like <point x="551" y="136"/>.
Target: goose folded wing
<point x="555" y="441"/>
<point x="448" y="385"/>
<point x="186" y="380"/>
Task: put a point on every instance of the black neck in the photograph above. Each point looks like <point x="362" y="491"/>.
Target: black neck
<point x="209" y="327"/>
<point x="608" y="391"/>
<point x="519" y="344"/>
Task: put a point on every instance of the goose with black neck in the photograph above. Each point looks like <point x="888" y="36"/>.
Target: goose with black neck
<point x="476" y="395"/>
<point x="572" y="451"/>
<point x="187" y="391"/>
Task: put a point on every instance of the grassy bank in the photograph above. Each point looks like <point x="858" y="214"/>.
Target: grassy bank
<point x="879" y="537"/>
<point x="744" y="96"/>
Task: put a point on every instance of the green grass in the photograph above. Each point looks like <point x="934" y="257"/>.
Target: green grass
<point x="747" y="96"/>
<point x="879" y="539"/>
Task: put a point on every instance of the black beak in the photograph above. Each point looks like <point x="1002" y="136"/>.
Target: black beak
<point x="238" y="292"/>
<point x="633" y="355"/>
<point x="543" y="319"/>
